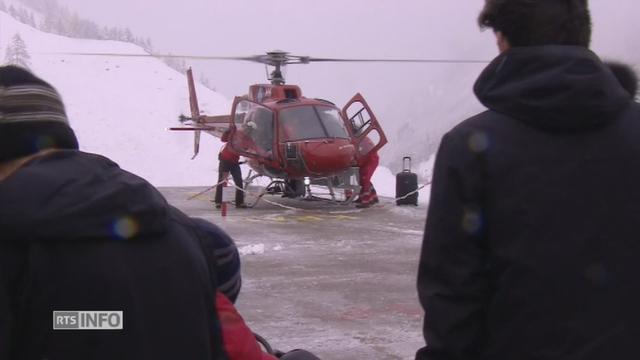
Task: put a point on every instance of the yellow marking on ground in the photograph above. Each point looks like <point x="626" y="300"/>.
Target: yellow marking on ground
<point x="342" y="217"/>
<point x="308" y="218"/>
<point x="300" y="218"/>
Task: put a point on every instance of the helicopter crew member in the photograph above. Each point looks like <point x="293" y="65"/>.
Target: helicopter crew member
<point x="229" y="163"/>
<point x="368" y="165"/>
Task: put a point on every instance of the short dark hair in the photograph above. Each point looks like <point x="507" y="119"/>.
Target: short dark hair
<point x="539" y="22"/>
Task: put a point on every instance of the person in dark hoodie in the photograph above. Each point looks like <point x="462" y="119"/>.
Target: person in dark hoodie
<point x="531" y="242"/>
<point x="77" y="233"/>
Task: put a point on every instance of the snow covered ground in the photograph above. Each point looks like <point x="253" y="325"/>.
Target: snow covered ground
<point x="336" y="280"/>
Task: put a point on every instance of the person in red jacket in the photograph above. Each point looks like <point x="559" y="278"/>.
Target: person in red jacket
<point x="229" y="163"/>
<point x="237" y="338"/>
<point x="368" y="165"/>
<point x="239" y="341"/>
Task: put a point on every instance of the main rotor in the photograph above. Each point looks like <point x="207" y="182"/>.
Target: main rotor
<point x="278" y="59"/>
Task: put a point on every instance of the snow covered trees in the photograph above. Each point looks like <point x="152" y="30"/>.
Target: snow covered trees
<point x="16" y="52"/>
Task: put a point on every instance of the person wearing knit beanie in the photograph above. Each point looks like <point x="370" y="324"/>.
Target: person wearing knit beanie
<point x="32" y="116"/>
<point x="79" y="233"/>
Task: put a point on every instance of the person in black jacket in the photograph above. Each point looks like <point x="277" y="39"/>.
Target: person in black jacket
<point x="77" y="233"/>
<point x="531" y="244"/>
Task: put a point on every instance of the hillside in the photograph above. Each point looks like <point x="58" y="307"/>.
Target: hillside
<point x="121" y="107"/>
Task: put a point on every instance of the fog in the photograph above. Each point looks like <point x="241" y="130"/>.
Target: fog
<point x="416" y="103"/>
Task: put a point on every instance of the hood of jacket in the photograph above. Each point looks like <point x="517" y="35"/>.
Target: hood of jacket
<point x="554" y="88"/>
<point x="71" y="195"/>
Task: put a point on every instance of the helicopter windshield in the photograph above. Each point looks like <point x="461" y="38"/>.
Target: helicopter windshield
<point x="311" y="122"/>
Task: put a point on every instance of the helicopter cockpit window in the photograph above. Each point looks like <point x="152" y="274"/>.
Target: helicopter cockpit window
<point x="332" y="122"/>
<point x="254" y="134"/>
<point x="242" y="109"/>
<point x="311" y="122"/>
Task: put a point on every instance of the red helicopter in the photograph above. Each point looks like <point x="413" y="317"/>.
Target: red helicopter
<point x="294" y="140"/>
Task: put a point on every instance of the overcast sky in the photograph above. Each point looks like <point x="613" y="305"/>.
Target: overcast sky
<point x="369" y="27"/>
<point x="343" y="28"/>
<point x="351" y="28"/>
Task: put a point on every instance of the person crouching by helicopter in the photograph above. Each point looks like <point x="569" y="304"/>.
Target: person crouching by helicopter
<point x="229" y="163"/>
<point x="368" y="165"/>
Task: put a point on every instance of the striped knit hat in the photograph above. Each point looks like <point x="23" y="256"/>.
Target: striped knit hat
<point x="32" y="116"/>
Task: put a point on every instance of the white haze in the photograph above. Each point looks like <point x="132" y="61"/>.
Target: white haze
<point x="416" y="102"/>
<point x="121" y="108"/>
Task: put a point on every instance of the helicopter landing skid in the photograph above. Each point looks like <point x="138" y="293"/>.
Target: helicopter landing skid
<point x="286" y="190"/>
<point x="347" y="182"/>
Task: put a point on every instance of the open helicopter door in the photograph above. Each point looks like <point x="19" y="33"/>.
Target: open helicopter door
<point x="362" y="124"/>
<point x="252" y="129"/>
<point x="195" y="112"/>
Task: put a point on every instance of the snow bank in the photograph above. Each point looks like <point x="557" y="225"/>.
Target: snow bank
<point x="121" y="107"/>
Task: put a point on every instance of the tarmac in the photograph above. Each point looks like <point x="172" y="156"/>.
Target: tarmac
<point x="332" y="279"/>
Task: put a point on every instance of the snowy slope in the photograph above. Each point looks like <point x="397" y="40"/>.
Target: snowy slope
<point x="121" y="107"/>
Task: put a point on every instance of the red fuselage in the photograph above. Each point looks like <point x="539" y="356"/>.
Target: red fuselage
<point x="294" y="137"/>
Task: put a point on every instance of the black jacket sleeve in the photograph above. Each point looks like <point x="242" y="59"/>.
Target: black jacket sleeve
<point x="12" y="258"/>
<point x="452" y="284"/>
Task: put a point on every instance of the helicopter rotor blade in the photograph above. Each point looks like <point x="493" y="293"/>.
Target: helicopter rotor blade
<point x="428" y="61"/>
<point x="279" y="58"/>
<point x="192" y="57"/>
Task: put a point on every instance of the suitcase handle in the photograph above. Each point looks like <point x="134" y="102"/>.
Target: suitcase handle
<point x="404" y="166"/>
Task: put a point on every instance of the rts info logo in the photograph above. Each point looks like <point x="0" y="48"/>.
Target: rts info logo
<point x="87" y="320"/>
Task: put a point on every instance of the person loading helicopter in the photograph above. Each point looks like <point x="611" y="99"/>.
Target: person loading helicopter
<point x="368" y="165"/>
<point x="229" y="163"/>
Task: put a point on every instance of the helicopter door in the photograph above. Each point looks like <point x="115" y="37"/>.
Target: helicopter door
<point x="252" y="125"/>
<point x="362" y="124"/>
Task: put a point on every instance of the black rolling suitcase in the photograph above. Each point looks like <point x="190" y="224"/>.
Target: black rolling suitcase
<point x="406" y="182"/>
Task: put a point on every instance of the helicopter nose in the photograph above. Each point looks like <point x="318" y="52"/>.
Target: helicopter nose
<point x="328" y="156"/>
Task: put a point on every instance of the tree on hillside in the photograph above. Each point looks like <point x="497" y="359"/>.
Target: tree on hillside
<point x="3" y="7"/>
<point x="16" y="52"/>
<point x="40" y="5"/>
<point x="178" y="64"/>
